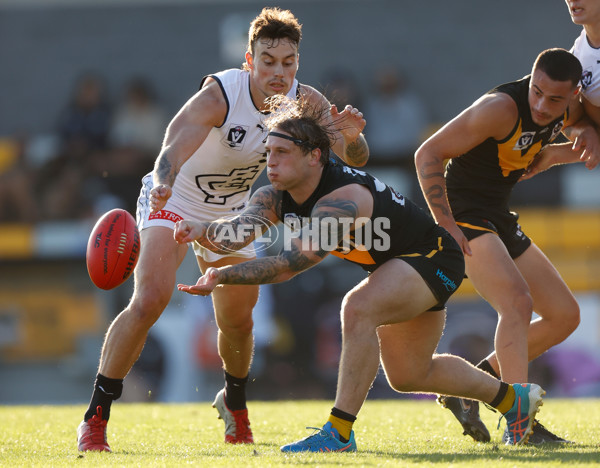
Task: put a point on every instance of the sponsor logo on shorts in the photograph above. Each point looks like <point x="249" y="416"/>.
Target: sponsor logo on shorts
<point x="166" y="215"/>
<point x="448" y="283"/>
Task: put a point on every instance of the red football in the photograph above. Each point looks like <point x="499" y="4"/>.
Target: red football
<point x="113" y="249"/>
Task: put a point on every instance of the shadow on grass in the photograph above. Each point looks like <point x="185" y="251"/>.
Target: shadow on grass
<point x="541" y="454"/>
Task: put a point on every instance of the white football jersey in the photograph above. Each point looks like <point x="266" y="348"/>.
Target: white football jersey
<point x="589" y="58"/>
<point x="219" y="175"/>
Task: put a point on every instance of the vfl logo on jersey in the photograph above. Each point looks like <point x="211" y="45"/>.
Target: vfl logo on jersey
<point x="219" y="187"/>
<point x="235" y="136"/>
<point x="524" y="141"/>
<point x="556" y="130"/>
<point x="586" y="78"/>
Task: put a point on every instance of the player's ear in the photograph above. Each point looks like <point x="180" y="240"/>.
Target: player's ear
<point x="249" y="60"/>
<point x="315" y="156"/>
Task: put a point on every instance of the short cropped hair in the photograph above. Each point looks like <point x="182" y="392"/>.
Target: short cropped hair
<point x="559" y="65"/>
<point x="274" y="23"/>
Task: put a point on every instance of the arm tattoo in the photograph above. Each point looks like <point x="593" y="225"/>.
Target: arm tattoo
<point x="294" y="260"/>
<point x="357" y="152"/>
<point x="228" y="235"/>
<point x="434" y="193"/>
<point x="343" y="210"/>
<point x="164" y="170"/>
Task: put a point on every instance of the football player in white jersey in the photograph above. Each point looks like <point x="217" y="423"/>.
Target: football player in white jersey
<point x="212" y="153"/>
<point x="587" y="49"/>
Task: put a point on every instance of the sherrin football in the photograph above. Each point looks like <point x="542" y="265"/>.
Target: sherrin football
<point x="113" y="249"/>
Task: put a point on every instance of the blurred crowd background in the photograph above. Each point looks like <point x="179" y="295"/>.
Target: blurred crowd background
<point x="87" y="88"/>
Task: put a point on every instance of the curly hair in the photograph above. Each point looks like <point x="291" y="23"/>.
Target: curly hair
<point x="305" y="122"/>
<point x="274" y="24"/>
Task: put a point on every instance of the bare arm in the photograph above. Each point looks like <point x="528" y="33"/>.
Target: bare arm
<point x="350" y="144"/>
<point x="186" y="132"/>
<point x="224" y="236"/>
<point x="490" y="116"/>
<point x="299" y="257"/>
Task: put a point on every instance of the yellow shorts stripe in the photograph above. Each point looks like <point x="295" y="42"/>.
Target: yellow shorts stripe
<point x="477" y="228"/>
<point x="430" y="254"/>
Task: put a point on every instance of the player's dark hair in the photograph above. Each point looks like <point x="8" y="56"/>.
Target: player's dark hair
<point x="274" y="24"/>
<point x="559" y="65"/>
<point x="304" y="122"/>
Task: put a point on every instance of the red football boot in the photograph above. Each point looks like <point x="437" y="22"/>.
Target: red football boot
<point x="237" y="425"/>
<point x="91" y="434"/>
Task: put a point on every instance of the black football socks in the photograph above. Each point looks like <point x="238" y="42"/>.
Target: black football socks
<point x="235" y="392"/>
<point x="105" y="391"/>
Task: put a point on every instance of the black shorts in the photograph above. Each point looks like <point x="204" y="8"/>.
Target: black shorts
<point x="441" y="265"/>
<point x="505" y="225"/>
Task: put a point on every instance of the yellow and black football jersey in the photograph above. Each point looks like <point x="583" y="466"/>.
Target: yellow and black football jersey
<point x="485" y="175"/>
<point x="395" y="220"/>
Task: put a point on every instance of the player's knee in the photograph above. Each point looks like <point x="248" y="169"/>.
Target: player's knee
<point x="354" y="316"/>
<point x="236" y="328"/>
<point x="147" y="306"/>
<point x="520" y="308"/>
<point x="570" y="319"/>
<point x="404" y="382"/>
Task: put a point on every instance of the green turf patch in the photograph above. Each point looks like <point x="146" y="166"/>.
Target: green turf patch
<point x="388" y="433"/>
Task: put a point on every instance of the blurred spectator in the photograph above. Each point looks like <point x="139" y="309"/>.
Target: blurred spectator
<point x="135" y="137"/>
<point x="83" y="128"/>
<point x="396" y="119"/>
<point x="17" y="179"/>
<point x="341" y="88"/>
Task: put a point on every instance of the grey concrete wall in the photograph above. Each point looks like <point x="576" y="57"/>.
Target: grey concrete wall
<point x="452" y="50"/>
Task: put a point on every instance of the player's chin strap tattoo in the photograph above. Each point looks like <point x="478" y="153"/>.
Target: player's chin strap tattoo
<point x="304" y="143"/>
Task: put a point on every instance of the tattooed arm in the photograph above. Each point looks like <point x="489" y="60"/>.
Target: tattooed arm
<point x="332" y="214"/>
<point x="225" y="236"/>
<point x="184" y="135"/>
<point x="491" y="116"/>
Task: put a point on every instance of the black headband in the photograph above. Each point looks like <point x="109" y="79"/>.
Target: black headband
<point x="296" y="141"/>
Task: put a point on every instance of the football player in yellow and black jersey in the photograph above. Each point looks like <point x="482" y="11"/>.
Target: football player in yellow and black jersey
<point x="586" y="48"/>
<point x="397" y="313"/>
<point x="490" y="146"/>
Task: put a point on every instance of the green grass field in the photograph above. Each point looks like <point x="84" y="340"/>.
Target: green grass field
<point x="388" y="433"/>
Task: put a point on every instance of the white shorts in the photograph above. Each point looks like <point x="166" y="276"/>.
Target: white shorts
<point x="177" y="209"/>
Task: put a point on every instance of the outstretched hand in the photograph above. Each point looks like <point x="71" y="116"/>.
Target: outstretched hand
<point x="350" y="122"/>
<point x="205" y="285"/>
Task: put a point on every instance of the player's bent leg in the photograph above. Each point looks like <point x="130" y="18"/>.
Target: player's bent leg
<point x="154" y="279"/>
<point x="364" y="309"/>
<point x="233" y="312"/>
<point x="154" y="275"/>
<point x="552" y="301"/>
<point x="497" y="279"/>
<point x="400" y="343"/>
